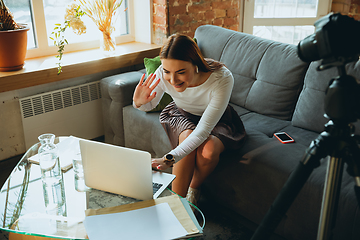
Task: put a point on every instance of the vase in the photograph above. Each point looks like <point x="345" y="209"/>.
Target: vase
<point x="13" y="47"/>
<point x="107" y="44"/>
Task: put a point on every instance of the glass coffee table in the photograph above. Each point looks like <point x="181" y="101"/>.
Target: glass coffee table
<point x="22" y="206"/>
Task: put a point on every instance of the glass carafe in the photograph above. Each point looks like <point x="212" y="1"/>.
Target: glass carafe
<point x="51" y="175"/>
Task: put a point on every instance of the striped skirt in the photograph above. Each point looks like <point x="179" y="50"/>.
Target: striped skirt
<point x="230" y="129"/>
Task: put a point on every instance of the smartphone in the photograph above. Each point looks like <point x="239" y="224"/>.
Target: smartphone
<point x="283" y="137"/>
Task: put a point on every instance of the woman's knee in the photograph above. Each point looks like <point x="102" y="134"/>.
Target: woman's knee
<point x="184" y="134"/>
<point x="209" y="152"/>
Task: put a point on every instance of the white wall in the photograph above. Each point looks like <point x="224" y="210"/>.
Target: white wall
<point x="11" y="133"/>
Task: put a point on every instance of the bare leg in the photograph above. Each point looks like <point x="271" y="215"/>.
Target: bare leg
<point x="207" y="158"/>
<point x="193" y="169"/>
<point x="183" y="169"/>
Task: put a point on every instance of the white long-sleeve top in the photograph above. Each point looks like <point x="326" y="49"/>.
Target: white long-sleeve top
<point x="208" y="100"/>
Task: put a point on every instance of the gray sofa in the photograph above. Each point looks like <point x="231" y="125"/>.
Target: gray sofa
<point x="274" y="91"/>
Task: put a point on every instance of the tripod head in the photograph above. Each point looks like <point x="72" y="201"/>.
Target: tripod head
<point x="342" y="99"/>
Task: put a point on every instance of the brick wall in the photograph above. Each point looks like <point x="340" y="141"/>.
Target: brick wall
<point x="354" y="10"/>
<point x="184" y="16"/>
<point x="348" y="7"/>
<point x="160" y="21"/>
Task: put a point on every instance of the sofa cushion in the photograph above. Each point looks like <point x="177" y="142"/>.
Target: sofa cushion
<point x="151" y="64"/>
<point x="309" y="110"/>
<point x="144" y="129"/>
<point x="300" y="135"/>
<point x="116" y="92"/>
<point x="209" y="42"/>
<point x="242" y="184"/>
<point x="249" y="180"/>
<point x="268" y="75"/>
<point x="264" y="124"/>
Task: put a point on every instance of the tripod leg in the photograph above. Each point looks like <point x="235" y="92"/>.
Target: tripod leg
<point x="357" y="193"/>
<point x="357" y="188"/>
<point x="354" y="166"/>
<point x="330" y="198"/>
<point x="290" y="190"/>
<point x="351" y="155"/>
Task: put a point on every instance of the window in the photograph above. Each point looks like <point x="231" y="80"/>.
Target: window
<point x="286" y="21"/>
<point x="42" y="15"/>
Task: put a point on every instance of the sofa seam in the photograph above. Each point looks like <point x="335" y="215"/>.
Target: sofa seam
<point x="226" y="44"/>
<point x="256" y="70"/>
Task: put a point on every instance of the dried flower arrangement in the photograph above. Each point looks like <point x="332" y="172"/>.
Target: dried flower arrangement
<point x="100" y="11"/>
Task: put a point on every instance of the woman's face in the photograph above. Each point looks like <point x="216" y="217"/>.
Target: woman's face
<point x="180" y="74"/>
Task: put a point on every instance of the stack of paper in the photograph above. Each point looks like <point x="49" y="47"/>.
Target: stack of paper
<point x="159" y="219"/>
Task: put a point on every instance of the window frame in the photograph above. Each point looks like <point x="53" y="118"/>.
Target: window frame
<point x="41" y="38"/>
<point x="324" y="7"/>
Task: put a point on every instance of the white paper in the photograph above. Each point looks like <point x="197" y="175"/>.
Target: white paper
<point x="153" y="223"/>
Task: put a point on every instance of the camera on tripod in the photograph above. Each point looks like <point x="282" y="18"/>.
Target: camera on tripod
<point x="336" y="39"/>
<point x="336" y="42"/>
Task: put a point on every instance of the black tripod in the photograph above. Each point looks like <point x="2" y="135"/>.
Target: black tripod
<point x="338" y="142"/>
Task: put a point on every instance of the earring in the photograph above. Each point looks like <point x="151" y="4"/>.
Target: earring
<point x="197" y="69"/>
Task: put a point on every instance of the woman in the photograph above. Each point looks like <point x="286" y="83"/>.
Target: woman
<point x="199" y="122"/>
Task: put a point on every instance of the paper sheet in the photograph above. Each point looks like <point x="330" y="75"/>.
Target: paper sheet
<point x="181" y="210"/>
<point x="152" y="223"/>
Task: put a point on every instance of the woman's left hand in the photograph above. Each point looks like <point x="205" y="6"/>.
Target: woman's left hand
<point x="159" y="163"/>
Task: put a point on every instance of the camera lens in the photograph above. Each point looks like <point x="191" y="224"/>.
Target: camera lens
<point x="307" y="49"/>
<point x="336" y="38"/>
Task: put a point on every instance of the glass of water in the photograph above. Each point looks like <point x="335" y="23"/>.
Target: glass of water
<point x="79" y="173"/>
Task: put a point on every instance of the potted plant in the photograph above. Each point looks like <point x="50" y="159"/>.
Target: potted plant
<point x="13" y="41"/>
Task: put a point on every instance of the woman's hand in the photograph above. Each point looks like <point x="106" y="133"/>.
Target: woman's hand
<point x="144" y="90"/>
<point x="160" y="164"/>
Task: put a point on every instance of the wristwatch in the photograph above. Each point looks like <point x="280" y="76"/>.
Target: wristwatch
<point x="169" y="159"/>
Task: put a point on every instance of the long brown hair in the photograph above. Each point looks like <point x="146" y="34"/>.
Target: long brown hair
<point x="182" y="47"/>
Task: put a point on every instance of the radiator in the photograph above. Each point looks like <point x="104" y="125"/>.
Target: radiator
<point x="72" y="111"/>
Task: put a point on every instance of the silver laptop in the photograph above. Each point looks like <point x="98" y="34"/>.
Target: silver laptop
<point x="121" y="170"/>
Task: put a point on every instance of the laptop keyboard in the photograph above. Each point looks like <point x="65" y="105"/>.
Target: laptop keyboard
<point x="156" y="187"/>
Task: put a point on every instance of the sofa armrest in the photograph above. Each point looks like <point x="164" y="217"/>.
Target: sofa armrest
<point x="117" y="92"/>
